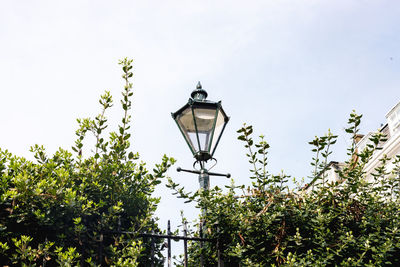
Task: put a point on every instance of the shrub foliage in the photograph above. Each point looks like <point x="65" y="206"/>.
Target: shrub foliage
<point x="350" y="222"/>
<point x="59" y="210"/>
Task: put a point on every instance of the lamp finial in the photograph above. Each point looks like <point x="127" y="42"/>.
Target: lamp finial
<point x="199" y="94"/>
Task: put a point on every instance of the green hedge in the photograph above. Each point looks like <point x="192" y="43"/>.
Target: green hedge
<point x="57" y="210"/>
<point x="350" y="222"/>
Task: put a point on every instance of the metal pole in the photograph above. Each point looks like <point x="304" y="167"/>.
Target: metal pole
<point x="204" y="180"/>
<point x="152" y="250"/>
<point x="220" y="261"/>
<point x="169" y="243"/>
<point x="185" y="264"/>
<point x="45" y="255"/>
<point x="201" y="245"/>
<point x="101" y="249"/>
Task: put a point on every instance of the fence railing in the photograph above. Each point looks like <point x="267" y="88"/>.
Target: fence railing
<point x="169" y="236"/>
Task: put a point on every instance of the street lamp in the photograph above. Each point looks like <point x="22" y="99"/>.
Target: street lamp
<point x="201" y="123"/>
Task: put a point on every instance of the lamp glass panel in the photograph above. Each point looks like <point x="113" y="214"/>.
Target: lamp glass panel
<point x="186" y="123"/>
<point x="205" y="118"/>
<point x="219" y="126"/>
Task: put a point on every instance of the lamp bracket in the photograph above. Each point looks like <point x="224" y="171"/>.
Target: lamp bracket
<point x="203" y="171"/>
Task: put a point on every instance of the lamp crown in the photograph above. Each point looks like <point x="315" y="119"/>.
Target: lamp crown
<point x="199" y="94"/>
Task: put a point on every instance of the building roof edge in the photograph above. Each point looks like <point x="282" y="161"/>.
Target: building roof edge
<point x="392" y="109"/>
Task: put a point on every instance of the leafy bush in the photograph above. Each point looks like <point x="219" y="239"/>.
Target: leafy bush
<point x="350" y="222"/>
<point x="61" y="209"/>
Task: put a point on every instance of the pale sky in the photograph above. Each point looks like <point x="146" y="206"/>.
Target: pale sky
<point x="293" y="69"/>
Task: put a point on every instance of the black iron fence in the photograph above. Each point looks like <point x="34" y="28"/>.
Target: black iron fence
<point x="168" y="237"/>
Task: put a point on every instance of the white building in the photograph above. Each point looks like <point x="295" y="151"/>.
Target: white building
<point x="390" y="148"/>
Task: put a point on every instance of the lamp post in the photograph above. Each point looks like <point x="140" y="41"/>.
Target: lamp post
<point x="201" y="123"/>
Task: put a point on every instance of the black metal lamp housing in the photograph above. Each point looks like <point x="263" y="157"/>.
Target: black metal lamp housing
<point x="201" y="123"/>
